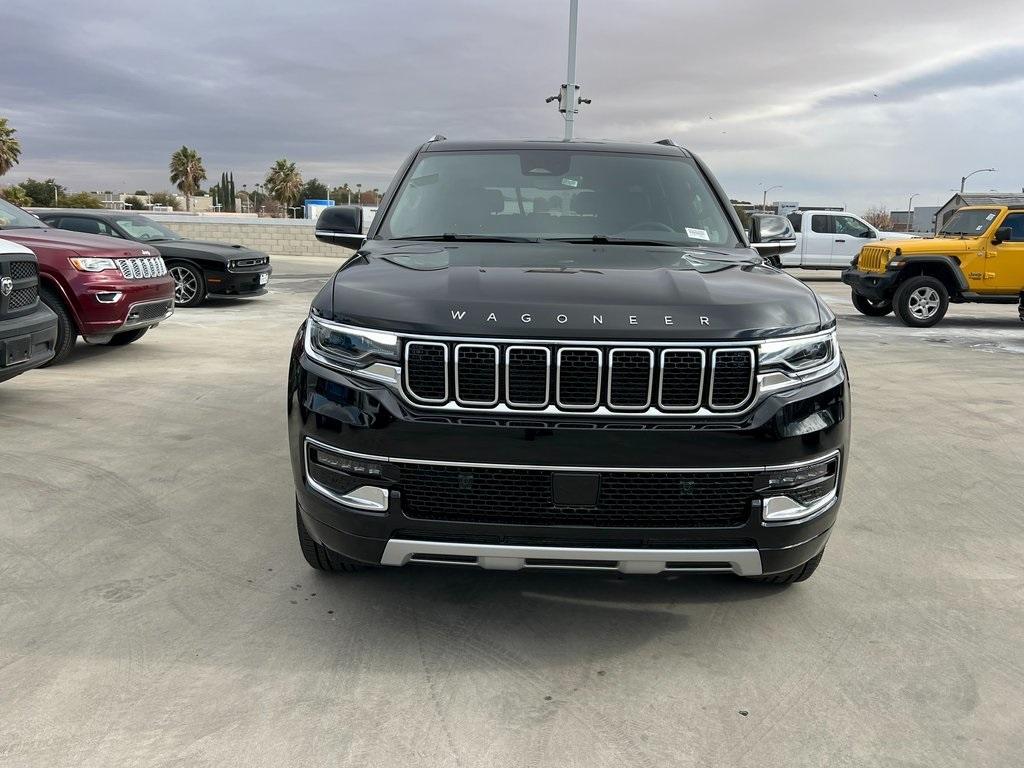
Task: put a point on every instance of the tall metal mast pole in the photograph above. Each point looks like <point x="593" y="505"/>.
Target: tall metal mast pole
<point x="569" y="94"/>
<point x="568" y="97"/>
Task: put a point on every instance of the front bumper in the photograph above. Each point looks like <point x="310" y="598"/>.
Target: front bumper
<point x="27" y="342"/>
<point x="362" y="419"/>
<point x="877" y="286"/>
<point x="241" y="283"/>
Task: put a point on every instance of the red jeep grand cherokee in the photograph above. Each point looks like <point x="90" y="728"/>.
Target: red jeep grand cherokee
<point x="106" y="290"/>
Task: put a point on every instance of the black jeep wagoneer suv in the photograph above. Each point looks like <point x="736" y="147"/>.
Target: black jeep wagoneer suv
<point x="565" y="355"/>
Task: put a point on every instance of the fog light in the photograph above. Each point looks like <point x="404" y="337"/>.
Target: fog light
<point x="347" y="464"/>
<point x="794" y="493"/>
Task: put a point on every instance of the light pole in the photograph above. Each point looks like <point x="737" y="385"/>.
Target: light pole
<point x="568" y="97"/>
<point x="764" y="197"/>
<point x="910" y="211"/>
<point x="963" y="179"/>
<point x="55" y="203"/>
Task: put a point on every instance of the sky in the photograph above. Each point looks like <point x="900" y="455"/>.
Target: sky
<point x="840" y="104"/>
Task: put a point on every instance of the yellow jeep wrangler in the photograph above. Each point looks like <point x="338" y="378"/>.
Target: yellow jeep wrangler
<point x="978" y="256"/>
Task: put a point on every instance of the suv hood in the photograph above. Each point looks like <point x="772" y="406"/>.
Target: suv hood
<point x="943" y="245"/>
<point x="601" y="292"/>
<point x="79" y="242"/>
<point x="220" y="251"/>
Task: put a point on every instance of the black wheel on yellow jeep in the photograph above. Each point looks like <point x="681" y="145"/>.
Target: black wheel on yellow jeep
<point x="921" y="301"/>
<point x="871" y="307"/>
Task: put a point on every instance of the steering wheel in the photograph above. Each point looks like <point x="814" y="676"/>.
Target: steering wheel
<point x="649" y="225"/>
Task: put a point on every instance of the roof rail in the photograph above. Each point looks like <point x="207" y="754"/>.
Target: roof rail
<point x="437" y="137"/>
<point x="668" y="143"/>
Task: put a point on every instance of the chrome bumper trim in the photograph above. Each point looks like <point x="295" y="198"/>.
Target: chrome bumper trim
<point x="743" y="562"/>
<point x="128" y="324"/>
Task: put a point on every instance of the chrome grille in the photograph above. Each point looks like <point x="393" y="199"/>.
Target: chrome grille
<point x="143" y="268"/>
<point x="475" y="375"/>
<point x="630" y="379"/>
<point x="732" y="378"/>
<point x="578" y="377"/>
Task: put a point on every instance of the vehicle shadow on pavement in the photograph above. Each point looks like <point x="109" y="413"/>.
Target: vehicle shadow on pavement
<point x="564" y="604"/>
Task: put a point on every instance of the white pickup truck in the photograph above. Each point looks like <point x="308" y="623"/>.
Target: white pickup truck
<point x="830" y="239"/>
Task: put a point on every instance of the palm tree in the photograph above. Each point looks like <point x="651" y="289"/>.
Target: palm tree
<point x="10" y="147"/>
<point x="284" y="182"/>
<point x="187" y="172"/>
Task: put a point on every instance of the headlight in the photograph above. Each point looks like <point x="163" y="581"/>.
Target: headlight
<point x="799" y="355"/>
<point x="93" y="265"/>
<point x="347" y="347"/>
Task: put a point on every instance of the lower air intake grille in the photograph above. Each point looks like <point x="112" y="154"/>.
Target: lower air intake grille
<point x="626" y="499"/>
<point x="151" y="311"/>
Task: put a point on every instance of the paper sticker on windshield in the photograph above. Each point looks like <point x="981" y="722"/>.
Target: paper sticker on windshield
<point x="697" y="234"/>
<point x="567" y="182"/>
<point x="979" y="228"/>
<point x="990" y="217"/>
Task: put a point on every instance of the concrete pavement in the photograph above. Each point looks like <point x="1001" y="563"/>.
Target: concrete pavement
<point x="155" y="608"/>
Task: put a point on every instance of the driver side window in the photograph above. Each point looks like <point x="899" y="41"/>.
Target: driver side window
<point x="1015" y="221"/>
<point x="851" y="227"/>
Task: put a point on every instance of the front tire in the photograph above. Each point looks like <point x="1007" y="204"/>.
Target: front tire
<point x="870" y="307"/>
<point x="921" y="301"/>
<point x="67" y="332"/>
<point x="793" y="575"/>
<point x="319" y="556"/>
<point x="189" y="284"/>
<point x="127" y="337"/>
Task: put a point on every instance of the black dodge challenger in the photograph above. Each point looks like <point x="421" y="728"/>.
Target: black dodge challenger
<point x="200" y="268"/>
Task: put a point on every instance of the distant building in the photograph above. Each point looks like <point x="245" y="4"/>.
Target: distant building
<point x="960" y="200"/>
<point x="923" y="220"/>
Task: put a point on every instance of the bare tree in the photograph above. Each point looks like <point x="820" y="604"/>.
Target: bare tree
<point x="879" y="218"/>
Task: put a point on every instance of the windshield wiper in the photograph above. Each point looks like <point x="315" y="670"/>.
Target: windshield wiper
<point x="453" y="237"/>
<point x="617" y="241"/>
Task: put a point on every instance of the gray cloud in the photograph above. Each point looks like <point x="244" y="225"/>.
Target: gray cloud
<point x="101" y="99"/>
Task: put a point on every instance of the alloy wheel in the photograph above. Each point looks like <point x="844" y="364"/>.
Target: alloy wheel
<point x="185" y="285"/>
<point x="923" y="302"/>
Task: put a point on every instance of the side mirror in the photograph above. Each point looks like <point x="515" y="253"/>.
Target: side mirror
<point x="771" y="235"/>
<point x="1002" y="235"/>
<point x="869" y="234"/>
<point x="341" y="225"/>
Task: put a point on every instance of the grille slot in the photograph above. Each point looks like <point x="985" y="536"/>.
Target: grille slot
<point x="732" y="378"/>
<point x="144" y="268"/>
<point x="527" y="379"/>
<point x="578" y="380"/>
<point x="426" y="371"/>
<point x="476" y="374"/>
<point x="509" y="496"/>
<point x="630" y="378"/>
<point x="23" y="270"/>
<point x="682" y="379"/>
<point x="23" y="297"/>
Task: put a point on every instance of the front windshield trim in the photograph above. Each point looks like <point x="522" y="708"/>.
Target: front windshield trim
<point x="965" y="214"/>
<point x="714" y="228"/>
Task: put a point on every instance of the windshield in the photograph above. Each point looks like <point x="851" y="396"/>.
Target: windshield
<point x="558" y="194"/>
<point x="141" y="228"/>
<point x="12" y="217"/>
<point x="973" y="222"/>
